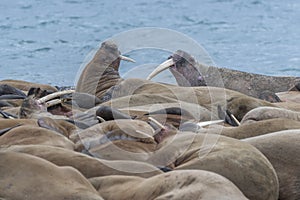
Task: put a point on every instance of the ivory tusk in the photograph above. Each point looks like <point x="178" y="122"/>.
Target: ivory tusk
<point x="127" y="59"/>
<point x="53" y="102"/>
<point x="235" y="119"/>
<point x="156" y="122"/>
<point x="201" y="124"/>
<point x="54" y="95"/>
<point x="100" y="119"/>
<point x="163" y="66"/>
<point x="145" y="134"/>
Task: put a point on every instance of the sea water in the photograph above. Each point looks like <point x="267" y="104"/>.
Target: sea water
<point x="47" y="41"/>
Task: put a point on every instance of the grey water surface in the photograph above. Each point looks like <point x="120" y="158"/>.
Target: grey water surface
<point x="47" y="41"/>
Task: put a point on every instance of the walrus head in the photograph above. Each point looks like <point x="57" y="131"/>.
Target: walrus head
<point x="184" y="68"/>
<point x="102" y="72"/>
<point x="37" y="102"/>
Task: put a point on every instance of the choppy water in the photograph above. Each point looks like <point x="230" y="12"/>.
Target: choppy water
<point x="47" y="40"/>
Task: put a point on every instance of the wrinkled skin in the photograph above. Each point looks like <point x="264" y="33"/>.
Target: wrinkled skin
<point x="188" y="72"/>
<point x="177" y="185"/>
<point x="282" y="150"/>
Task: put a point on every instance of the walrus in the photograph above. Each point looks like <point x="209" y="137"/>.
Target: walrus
<point x="60" y="126"/>
<point x="282" y="150"/>
<point x="8" y="89"/>
<point x="108" y="113"/>
<point x="86" y="165"/>
<point x="188" y="72"/>
<point x="27" y="134"/>
<point x="246" y="130"/>
<point x="263" y="113"/>
<point x="102" y="71"/>
<point x="25" y="86"/>
<point x="176" y="185"/>
<point x="23" y="176"/>
<point x="253" y="173"/>
<point x="35" y="106"/>
<point x="289" y="96"/>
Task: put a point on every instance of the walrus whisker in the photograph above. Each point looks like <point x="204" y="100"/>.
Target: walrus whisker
<point x="126" y="59"/>
<point x="54" y="95"/>
<point x="165" y="65"/>
<point x="156" y="122"/>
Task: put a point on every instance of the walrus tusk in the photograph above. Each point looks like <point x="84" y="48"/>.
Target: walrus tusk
<point x="126" y="59"/>
<point x="145" y="134"/>
<point x="54" y="95"/>
<point x="156" y="122"/>
<point x="100" y="119"/>
<point x="235" y="119"/>
<point x="53" y="102"/>
<point x="201" y="124"/>
<point x="163" y="66"/>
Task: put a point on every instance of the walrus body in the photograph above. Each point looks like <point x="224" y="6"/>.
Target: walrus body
<point x="177" y="185"/>
<point x="27" y="134"/>
<point x="23" y="176"/>
<point x="282" y="150"/>
<point x="86" y="165"/>
<point x="25" y="86"/>
<point x="253" y="129"/>
<point x="264" y="113"/>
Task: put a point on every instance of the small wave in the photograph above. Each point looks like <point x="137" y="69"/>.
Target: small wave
<point x="25" y="7"/>
<point x="27" y="27"/>
<point x="45" y="49"/>
<point x="75" y="17"/>
<point x="72" y="1"/>
<point x="292" y="69"/>
<point x="44" y="23"/>
<point x="26" y="42"/>
<point x="61" y="41"/>
<point x="5" y="27"/>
